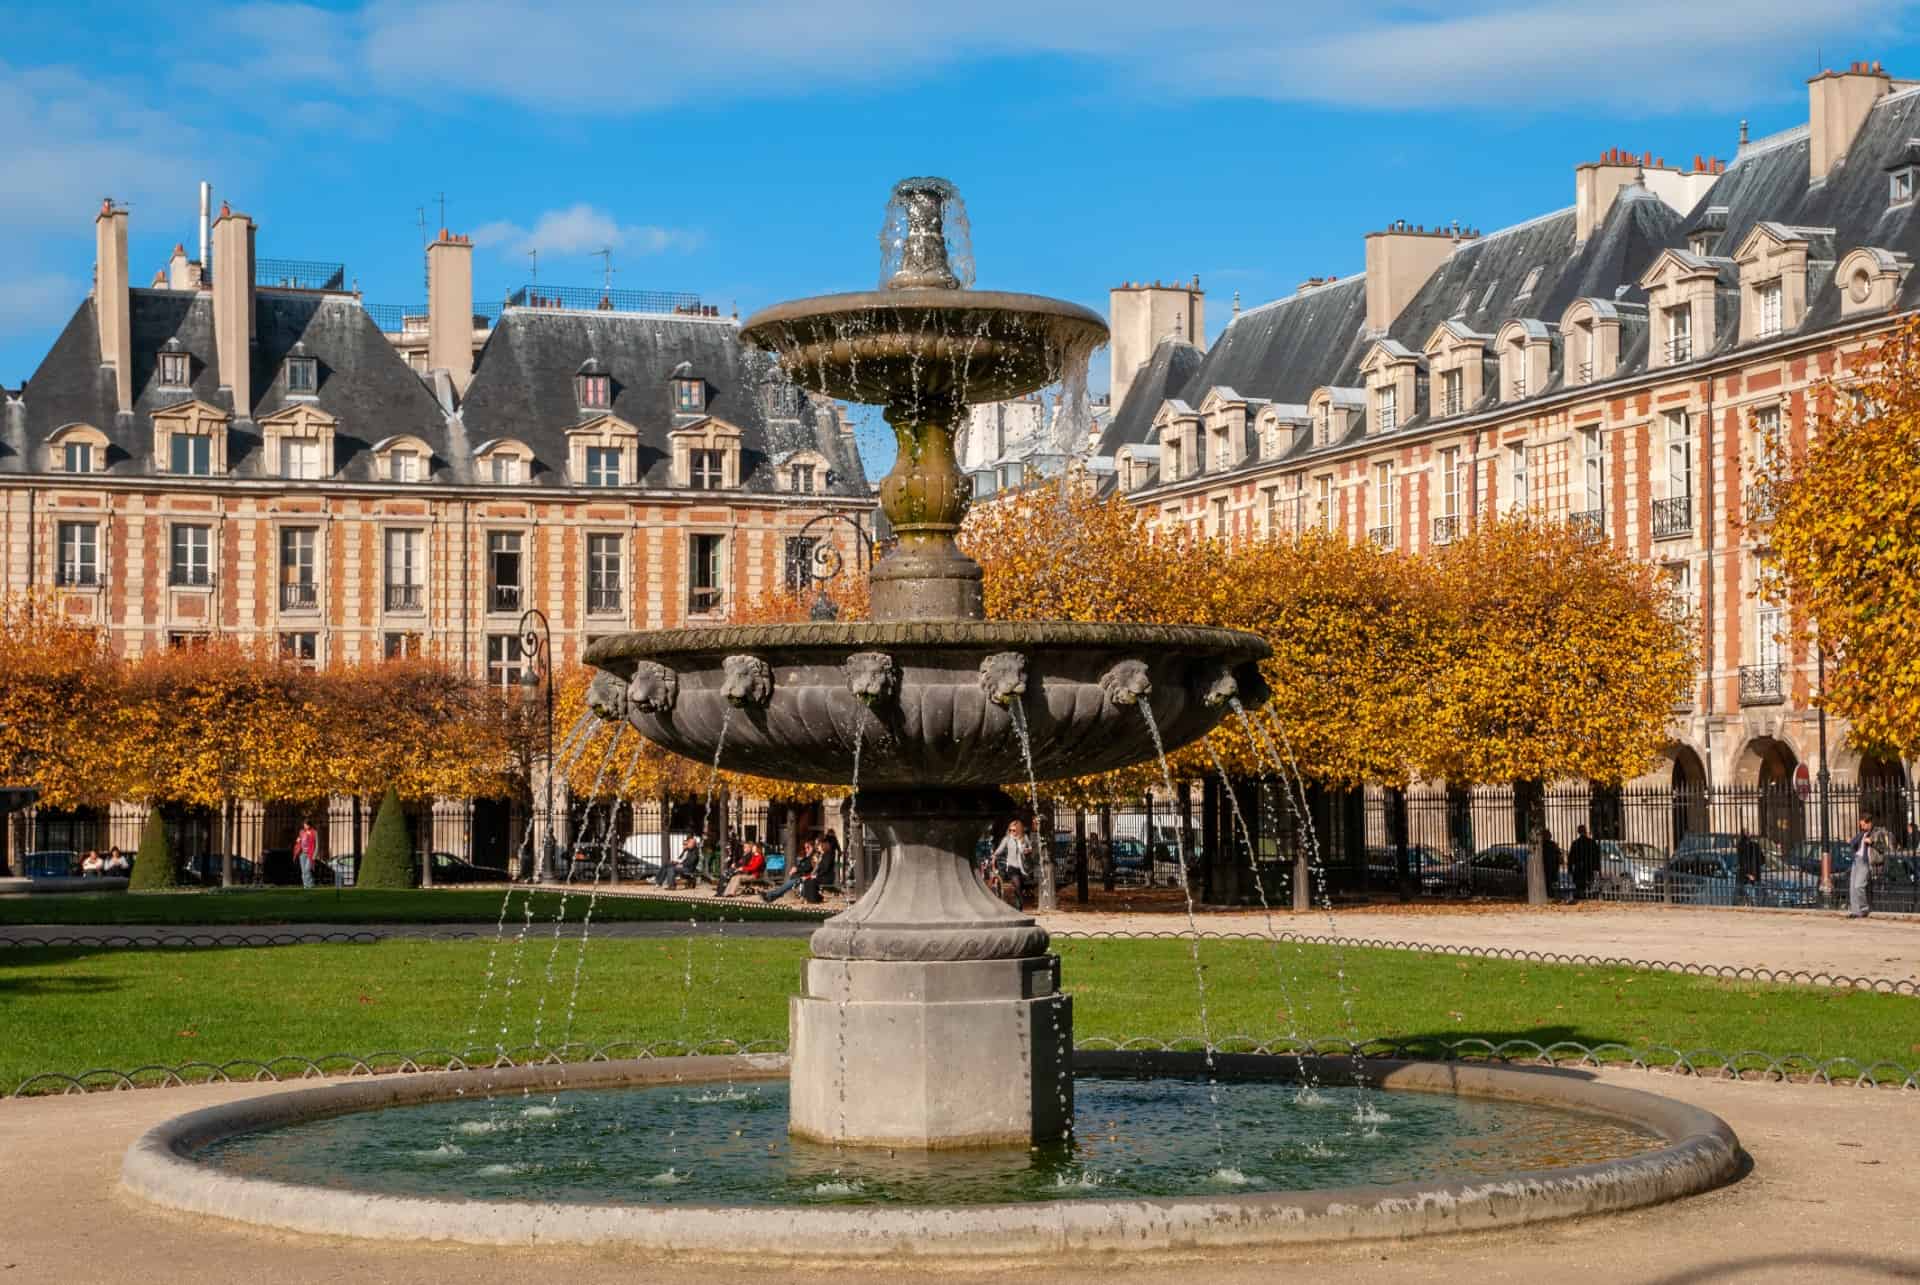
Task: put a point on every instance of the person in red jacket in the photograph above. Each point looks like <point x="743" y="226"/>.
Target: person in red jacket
<point x="752" y="871"/>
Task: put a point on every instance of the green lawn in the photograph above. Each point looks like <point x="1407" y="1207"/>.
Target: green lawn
<point x="76" y="1009"/>
<point x="351" y="906"/>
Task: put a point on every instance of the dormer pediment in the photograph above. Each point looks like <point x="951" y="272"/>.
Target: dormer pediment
<point x="604" y="427"/>
<point x="1450" y="335"/>
<point x="707" y="428"/>
<point x="1388" y="353"/>
<point x="193" y="415"/>
<point x="1525" y="330"/>
<point x="297" y="419"/>
<point x="1219" y="398"/>
<point x="1671" y="266"/>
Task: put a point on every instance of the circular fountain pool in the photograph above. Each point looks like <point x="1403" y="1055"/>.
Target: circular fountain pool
<point x="670" y="1152"/>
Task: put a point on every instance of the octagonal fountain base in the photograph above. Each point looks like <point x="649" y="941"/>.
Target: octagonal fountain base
<point x="180" y="1164"/>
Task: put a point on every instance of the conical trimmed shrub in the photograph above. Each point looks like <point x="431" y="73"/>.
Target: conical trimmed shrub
<point x="388" y="861"/>
<point x="153" y="863"/>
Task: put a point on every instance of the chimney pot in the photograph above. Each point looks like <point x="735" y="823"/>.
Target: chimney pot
<point x="225" y="209"/>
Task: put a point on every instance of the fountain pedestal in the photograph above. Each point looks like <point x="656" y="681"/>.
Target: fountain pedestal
<point x="932" y="1015"/>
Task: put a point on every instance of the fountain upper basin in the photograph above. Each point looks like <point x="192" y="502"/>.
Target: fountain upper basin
<point x="926" y="701"/>
<point x="879" y="346"/>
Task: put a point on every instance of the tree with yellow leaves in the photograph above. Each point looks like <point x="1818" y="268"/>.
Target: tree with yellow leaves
<point x="1846" y="542"/>
<point x="58" y="690"/>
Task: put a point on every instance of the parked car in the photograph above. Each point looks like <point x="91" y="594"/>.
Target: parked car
<point x="1430" y="868"/>
<point x="1711" y="877"/>
<point x="51" y="863"/>
<point x="1129" y="857"/>
<point x="1898" y="888"/>
<point x="205" y="870"/>
<point x="1723" y="841"/>
<point x="1806" y="857"/>
<point x="1496" y="871"/>
<point x="1628" y="869"/>
<point x="451" y="869"/>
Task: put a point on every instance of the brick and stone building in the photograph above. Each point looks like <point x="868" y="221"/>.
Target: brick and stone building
<point x="1615" y="364"/>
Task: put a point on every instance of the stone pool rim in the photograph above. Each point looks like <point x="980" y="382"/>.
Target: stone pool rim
<point x="1700" y="1152"/>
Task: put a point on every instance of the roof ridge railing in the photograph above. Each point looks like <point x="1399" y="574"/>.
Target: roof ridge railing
<point x="583" y="299"/>
<point x="299" y="274"/>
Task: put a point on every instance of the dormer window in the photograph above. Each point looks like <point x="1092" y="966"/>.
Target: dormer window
<point x="505" y="470"/>
<point x="689" y="395"/>
<point x="191" y="455"/>
<point x="1387" y="408"/>
<point x="175" y="366"/>
<point x="1701" y="243"/>
<point x="592" y="386"/>
<point x="1526" y="287"/>
<point x="706" y="469"/>
<point x="303" y="373"/>
<point x="78" y="457"/>
<point x="603" y="466"/>
<point x="403" y="466"/>
<point x="299" y="458"/>
<point x="1900" y="186"/>
<point x="1767" y="297"/>
<point x="803" y="479"/>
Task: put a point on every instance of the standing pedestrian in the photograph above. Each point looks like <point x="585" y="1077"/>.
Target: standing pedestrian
<point x="1011" y="858"/>
<point x="1584" y="859"/>
<point x="1870" y="846"/>
<point x="1747" y="853"/>
<point x="306" y="847"/>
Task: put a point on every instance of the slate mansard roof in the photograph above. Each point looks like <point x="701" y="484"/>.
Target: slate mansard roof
<point x="522" y="388"/>
<point x="1535" y="270"/>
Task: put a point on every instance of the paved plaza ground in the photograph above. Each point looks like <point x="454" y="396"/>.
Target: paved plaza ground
<point x="1789" y="941"/>
<point x="1831" y="1197"/>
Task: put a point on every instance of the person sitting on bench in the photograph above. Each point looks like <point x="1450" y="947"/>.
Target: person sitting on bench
<point x="687" y="867"/>
<point x="802" y="871"/>
<point x="752" y="872"/>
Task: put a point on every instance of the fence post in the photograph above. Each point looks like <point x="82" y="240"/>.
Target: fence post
<point x="1397" y="834"/>
<point x="1106" y="847"/>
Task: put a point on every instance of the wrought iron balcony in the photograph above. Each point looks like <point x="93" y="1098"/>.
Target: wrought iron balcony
<point x="1589" y="524"/>
<point x="1763" y="684"/>
<point x="504" y="598"/>
<point x="1672" y="517"/>
<point x="1679" y="349"/>
<point x="299" y="596"/>
<point x="1446" y="530"/>
<point x="603" y="600"/>
<point x="1759" y="505"/>
<point x="1384" y="536"/>
<point x="404" y="597"/>
<point x="703" y="602"/>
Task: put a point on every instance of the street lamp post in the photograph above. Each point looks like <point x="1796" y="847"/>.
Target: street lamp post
<point x="827" y="559"/>
<point x="536" y="684"/>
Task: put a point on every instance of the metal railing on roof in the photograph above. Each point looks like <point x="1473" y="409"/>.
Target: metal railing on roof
<point x="299" y="274"/>
<point x="582" y="299"/>
<point x="397" y="319"/>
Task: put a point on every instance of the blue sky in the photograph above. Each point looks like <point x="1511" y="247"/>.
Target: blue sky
<point x="742" y="149"/>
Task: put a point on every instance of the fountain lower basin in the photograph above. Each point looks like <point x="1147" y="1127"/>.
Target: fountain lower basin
<point x="1592" y="1148"/>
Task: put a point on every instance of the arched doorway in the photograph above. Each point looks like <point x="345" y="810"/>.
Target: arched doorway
<point x="1766" y="767"/>
<point x="1689" y="788"/>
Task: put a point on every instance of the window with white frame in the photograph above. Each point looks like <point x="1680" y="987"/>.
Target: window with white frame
<point x="689" y="394"/>
<point x="604" y="566"/>
<point x="1450" y="482"/>
<point x="79" y="553"/>
<point x="1593" y="465"/>
<point x="175" y="370"/>
<point x="1171" y="453"/>
<point x="190" y="553"/>
<point x="1679" y="455"/>
<point x="405" y="570"/>
<point x="299" y="590"/>
<point x="1222" y="449"/>
<point x="504" y="571"/>
<point x="706" y="574"/>
<point x="301" y="649"/>
<point x="1769" y="617"/>
<point x="505" y="470"/>
<point x="1679" y="321"/>
<point x="1517" y="484"/>
<point x="1763" y="428"/>
<point x="1767" y="298"/>
<point x="1682" y="603"/>
<point x="303" y="376"/>
<point x="300" y="458"/>
<point x="399" y="644"/>
<point x="802" y="478"/>
<point x="1323" y="498"/>
<point x="1386" y="501"/>
<point x="603" y="466"/>
<point x="403" y="466"/>
<point x="1452" y="391"/>
<point x="1220" y="516"/>
<point x="190" y="454"/>
<point x="706" y="469"/>
<point x="798" y="571"/>
<point x="1900" y="186"/>
<point x="504" y="661"/>
<point x="77" y="457"/>
<point x="1387" y="404"/>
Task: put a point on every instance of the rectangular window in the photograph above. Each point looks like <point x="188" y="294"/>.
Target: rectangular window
<point x="689" y="394"/>
<point x="78" y="457"/>
<point x="79" y="553"/>
<point x="705" y="469"/>
<point x="505" y="470"/>
<point x="186" y="640"/>
<point x="298" y="590"/>
<point x="1679" y="434"/>
<point x="1900" y="186"/>
<point x="1768" y="297"/>
<point x="1220" y="517"/>
<point x="302" y="374"/>
<point x="403" y="466"/>
<point x="1323" y="496"/>
<point x="1452" y="396"/>
<point x="1270" y="503"/>
<point x="603" y="573"/>
<point x="503" y="571"/>
<point x="395" y="646"/>
<point x="1681" y="601"/>
<point x="191" y="454"/>
<point x="1593" y="463"/>
<point x="1386" y="505"/>
<point x="1680" y="333"/>
<point x="1517" y="477"/>
<point x="300" y="458"/>
<point x="706" y="576"/>
<point x="596" y="391"/>
<point x="603" y="466"/>
<point x="1387" y="417"/>
<point x="190" y="555"/>
<point x="302" y="649"/>
<point x="504" y="661"/>
<point x="173" y="370"/>
<point x="799" y="564"/>
<point x="1450" y="482"/>
<point x="405" y="572"/>
<point x="1172" y="471"/>
<point x="803" y="479"/>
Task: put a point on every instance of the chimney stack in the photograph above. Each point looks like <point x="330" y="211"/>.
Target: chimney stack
<point x="233" y="319"/>
<point x="1837" y="105"/>
<point x="450" y="308"/>
<point x="1142" y="316"/>
<point x="1399" y="262"/>
<point x="111" y="303"/>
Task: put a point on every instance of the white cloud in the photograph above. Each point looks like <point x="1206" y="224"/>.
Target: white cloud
<point x="292" y="41"/>
<point x="583" y="229"/>
<point x="582" y="56"/>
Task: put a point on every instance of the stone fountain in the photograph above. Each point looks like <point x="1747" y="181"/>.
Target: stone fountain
<point x="932" y="1015"/>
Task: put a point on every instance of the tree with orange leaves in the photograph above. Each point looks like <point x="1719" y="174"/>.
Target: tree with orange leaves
<point x="58" y="691"/>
